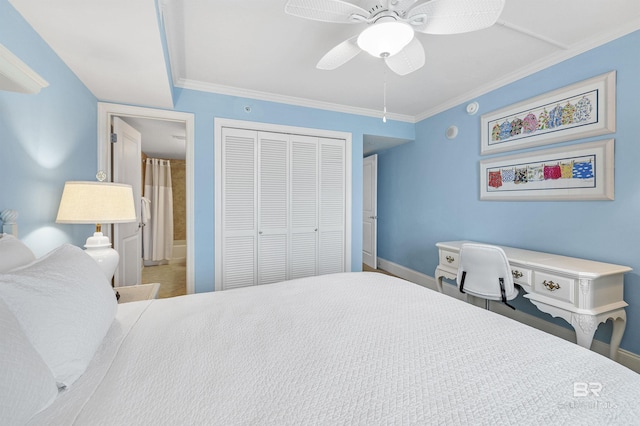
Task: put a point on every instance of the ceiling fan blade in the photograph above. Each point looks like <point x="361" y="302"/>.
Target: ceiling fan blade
<point x="454" y="16"/>
<point x="339" y="55"/>
<point x="408" y="59"/>
<point x="401" y="5"/>
<point x="325" y="10"/>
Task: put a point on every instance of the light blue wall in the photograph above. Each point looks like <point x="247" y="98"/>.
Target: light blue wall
<point x="45" y="139"/>
<point x="428" y="189"/>
<point x="206" y="106"/>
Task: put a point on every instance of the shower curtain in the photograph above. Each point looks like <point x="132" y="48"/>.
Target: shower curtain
<point x="157" y="234"/>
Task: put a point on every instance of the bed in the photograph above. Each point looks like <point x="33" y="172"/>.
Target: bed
<point x="351" y="348"/>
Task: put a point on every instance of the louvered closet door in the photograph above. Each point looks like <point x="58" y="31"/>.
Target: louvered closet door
<point x="239" y="208"/>
<point x="273" y="217"/>
<point x="304" y="207"/>
<point x="332" y="206"/>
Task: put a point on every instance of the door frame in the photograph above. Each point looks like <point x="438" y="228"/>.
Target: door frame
<point x="127" y="236"/>
<point x="219" y="123"/>
<point x="374" y="220"/>
<point x="108" y="110"/>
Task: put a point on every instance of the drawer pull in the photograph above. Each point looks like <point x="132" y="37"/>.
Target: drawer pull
<point x="516" y="274"/>
<point x="450" y="259"/>
<point x="550" y="285"/>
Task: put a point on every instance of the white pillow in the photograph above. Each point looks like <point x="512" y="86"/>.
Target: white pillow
<point x="65" y="306"/>
<point x="13" y="253"/>
<point x="26" y="384"/>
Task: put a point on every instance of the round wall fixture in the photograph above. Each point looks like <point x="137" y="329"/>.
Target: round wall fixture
<point x="451" y="132"/>
<point x="472" y="108"/>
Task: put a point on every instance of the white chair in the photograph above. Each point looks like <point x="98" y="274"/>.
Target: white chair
<point x="484" y="272"/>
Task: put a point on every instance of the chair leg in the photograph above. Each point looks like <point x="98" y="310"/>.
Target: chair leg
<point x="486" y="304"/>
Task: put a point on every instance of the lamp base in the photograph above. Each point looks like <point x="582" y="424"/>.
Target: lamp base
<point x="99" y="248"/>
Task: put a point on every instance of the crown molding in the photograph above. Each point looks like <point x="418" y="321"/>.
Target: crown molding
<point x="290" y="100"/>
<point x="16" y="76"/>
<point x="532" y="68"/>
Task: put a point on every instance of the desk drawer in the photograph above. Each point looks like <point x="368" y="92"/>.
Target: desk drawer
<point x="449" y="258"/>
<point x="521" y="276"/>
<point x="554" y="286"/>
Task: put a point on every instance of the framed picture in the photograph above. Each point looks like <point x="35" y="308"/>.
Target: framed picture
<point x="584" y="109"/>
<point x="576" y="172"/>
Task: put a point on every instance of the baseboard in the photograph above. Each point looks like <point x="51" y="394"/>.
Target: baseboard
<point x="626" y="358"/>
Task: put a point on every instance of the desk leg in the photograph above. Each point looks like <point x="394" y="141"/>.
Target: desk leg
<point x="439" y="274"/>
<point x="619" y="319"/>
<point x="585" y="327"/>
<point x="439" y="283"/>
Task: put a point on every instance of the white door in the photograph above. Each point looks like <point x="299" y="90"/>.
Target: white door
<point x="239" y="209"/>
<point x="304" y="207"/>
<point x="127" y="168"/>
<point x="370" y="211"/>
<point x="273" y="207"/>
<point x="331" y="238"/>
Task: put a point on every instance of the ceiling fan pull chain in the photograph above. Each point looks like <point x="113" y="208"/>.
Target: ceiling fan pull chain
<point x="384" y="99"/>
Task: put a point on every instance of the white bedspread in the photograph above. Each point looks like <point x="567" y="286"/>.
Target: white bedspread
<point x="354" y="348"/>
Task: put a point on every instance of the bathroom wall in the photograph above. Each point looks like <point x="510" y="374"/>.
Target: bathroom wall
<point x="179" y="190"/>
<point x="179" y="183"/>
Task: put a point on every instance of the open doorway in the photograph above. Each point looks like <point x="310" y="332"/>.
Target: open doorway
<point x="166" y="136"/>
<point x="163" y="189"/>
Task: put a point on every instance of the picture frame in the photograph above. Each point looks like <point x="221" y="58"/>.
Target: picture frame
<point x="583" y="109"/>
<point x="576" y="172"/>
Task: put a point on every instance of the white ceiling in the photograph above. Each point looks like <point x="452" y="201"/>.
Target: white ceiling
<point x="114" y="47"/>
<point x="161" y="138"/>
<point x="251" y="48"/>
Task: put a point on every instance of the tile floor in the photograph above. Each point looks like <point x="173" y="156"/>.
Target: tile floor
<point x="172" y="279"/>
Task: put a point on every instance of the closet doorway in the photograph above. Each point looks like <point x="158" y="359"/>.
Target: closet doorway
<point x="167" y="146"/>
<point x="282" y="202"/>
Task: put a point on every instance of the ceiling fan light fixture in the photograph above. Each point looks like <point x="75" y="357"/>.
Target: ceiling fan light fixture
<point x="385" y="39"/>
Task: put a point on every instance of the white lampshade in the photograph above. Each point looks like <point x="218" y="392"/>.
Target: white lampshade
<point x="384" y="39"/>
<point x="98" y="203"/>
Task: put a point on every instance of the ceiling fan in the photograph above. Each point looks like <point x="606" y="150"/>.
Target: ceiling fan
<point x="391" y="25"/>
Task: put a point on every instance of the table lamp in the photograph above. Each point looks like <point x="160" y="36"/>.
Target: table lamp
<point x="98" y="203"/>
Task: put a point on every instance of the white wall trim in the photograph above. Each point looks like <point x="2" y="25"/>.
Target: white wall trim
<point x="16" y="76"/>
<point x="626" y="358"/>
<point x="108" y="110"/>
<point x="283" y="99"/>
<point x="219" y="123"/>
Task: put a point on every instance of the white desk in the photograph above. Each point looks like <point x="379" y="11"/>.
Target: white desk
<point x="583" y="292"/>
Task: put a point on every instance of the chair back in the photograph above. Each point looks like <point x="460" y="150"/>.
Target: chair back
<point x="481" y="269"/>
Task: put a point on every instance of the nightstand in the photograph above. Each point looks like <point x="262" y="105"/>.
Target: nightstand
<point x="134" y="293"/>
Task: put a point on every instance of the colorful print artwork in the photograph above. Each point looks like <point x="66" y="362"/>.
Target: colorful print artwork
<point x="573" y="112"/>
<point x="583" y="171"/>
<point x="580" y="168"/>
<point x="578" y="172"/>
<point x="583" y="109"/>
